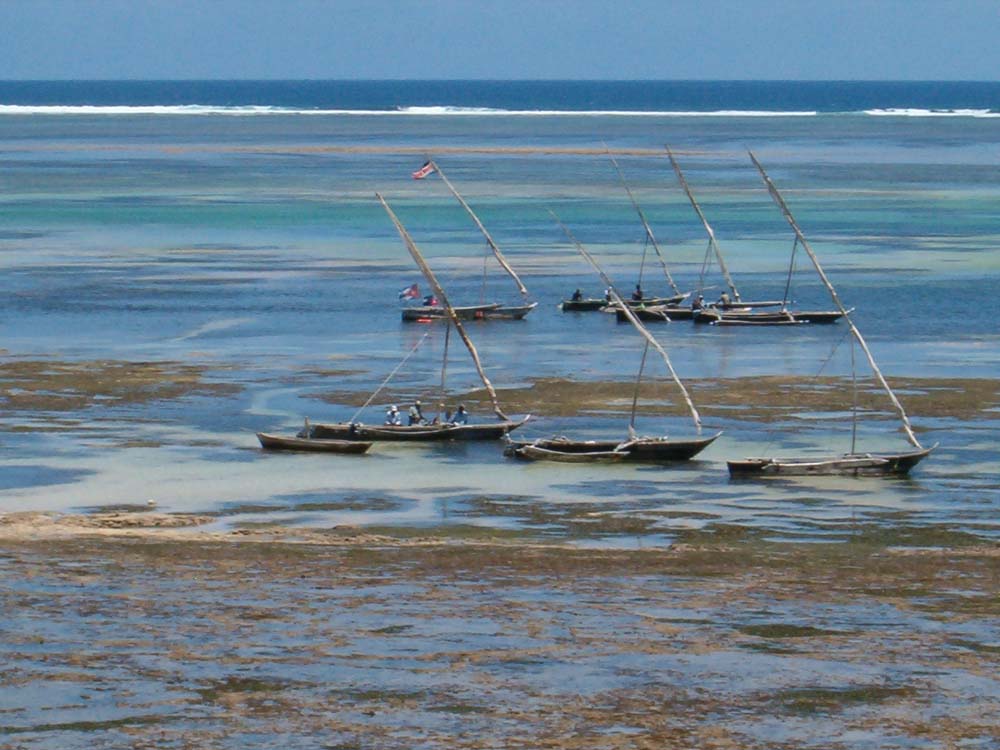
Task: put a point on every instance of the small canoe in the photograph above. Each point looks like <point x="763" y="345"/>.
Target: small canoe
<point x="412" y="433"/>
<point x="656" y="313"/>
<point x="849" y="464"/>
<point x="643" y="449"/>
<point x="416" y="313"/>
<point x="583" y="305"/>
<point x="778" y="317"/>
<point x="282" y="443"/>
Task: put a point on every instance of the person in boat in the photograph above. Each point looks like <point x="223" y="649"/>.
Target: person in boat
<point x="430" y="301"/>
<point x="415" y="414"/>
<point x="577" y="296"/>
<point x="392" y="416"/>
<point x="461" y="416"/>
<point x="724" y="299"/>
<point x="698" y="302"/>
<point x="637" y="295"/>
<point x="607" y="294"/>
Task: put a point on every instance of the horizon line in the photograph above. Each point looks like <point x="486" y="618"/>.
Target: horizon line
<point x="499" y="80"/>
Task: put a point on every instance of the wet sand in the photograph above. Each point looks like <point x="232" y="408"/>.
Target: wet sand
<point x="128" y="629"/>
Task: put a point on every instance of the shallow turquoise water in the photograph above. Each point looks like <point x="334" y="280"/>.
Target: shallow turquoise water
<point x="241" y="244"/>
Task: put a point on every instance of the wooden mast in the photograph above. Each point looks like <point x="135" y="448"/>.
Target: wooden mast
<point x="836" y="299"/>
<point x="708" y="227"/>
<point x="439" y="292"/>
<point x="645" y="224"/>
<point x="489" y="240"/>
<point x="617" y="300"/>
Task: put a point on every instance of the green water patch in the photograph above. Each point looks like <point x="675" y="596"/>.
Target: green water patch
<point x="469" y="532"/>
<point x="821" y="700"/>
<point x="979" y="648"/>
<point x="786" y="630"/>
<point x="392" y="629"/>
<point x="936" y="535"/>
<point x="568" y="520"/>
<point x="84" y="726"/>
<point x="719" y="533"/>
<point x="459" y="708"/>
<point x="215" y="691"/>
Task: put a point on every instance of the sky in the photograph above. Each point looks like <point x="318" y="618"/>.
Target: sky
<point x="501" y="39"/>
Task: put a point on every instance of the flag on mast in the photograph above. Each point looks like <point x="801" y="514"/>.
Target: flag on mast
<point x="411" y="292"/>
<point x="425" y="170"/>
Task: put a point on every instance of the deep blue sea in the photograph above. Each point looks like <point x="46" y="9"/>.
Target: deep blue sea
<point x="647" y="97"/>
<point x="233" y="226"/>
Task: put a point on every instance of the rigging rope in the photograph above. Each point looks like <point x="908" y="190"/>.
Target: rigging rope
<point x="389" y="377"/>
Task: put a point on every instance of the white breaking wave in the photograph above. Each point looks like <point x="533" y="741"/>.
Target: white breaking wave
<point x="421" y="111"/>
<point x="932" y="113"/>
<point x="483" y="111"/>
<point x="449" y="111"/>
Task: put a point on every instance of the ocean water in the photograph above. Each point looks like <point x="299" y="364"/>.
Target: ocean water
<point x="232" y="226"/>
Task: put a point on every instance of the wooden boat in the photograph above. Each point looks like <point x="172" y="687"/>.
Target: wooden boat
<point x="592" y="304"/>
<point x="731" y="317"/>
<point x="735" y="301"/>
<point x="588" y="304"/>
<point x="354" y="430"/>
<point x="651" y="449"/>
<point x="650" y="240"/>
<point x="483" y="311"/>
<point x="853" y="463"/>
<point x="416" y="432"/>
<point x="283" y="443"/>
<point x="420" y="313"/>
<point x="849" y="464"/>
<point x="656" y="313"/>
<point x="634" y="447"/>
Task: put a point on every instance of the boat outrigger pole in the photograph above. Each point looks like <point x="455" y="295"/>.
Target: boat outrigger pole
<point x="836" y="300"/>
<point x="617" y="300"/>
<point x="645" y="224"/>
<point x="452" y="315"/>
<point x="489" y="240"/>
<point x="713" y="244"/>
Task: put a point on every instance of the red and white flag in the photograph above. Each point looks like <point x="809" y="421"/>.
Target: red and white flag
<point x="411" y="292"/>
<point x="425" y="170"/>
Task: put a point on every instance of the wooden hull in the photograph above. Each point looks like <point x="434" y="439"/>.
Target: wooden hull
<point x="433" y="312"/>
<point x="656" y="301"/>
<point x="651" y="450"/>
<point x="789" y="317"/>
<point x="583" y="305"/>
<point x="283" y="443"/>
<point x="509" y="312"/>
<point x="492" y="311"/>
<point x="743" y="305"/>
<point x="656" y="314"/>
<point x="849" y="464"/>
<point x="413" y="433"/>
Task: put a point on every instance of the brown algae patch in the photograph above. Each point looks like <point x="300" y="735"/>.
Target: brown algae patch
<point x="49" y="386"/>
<point x="201" y="642"/>
<point x="760" y="398"/>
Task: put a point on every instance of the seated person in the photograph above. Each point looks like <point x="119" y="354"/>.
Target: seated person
<point x="637" y="294"/>
<point x="415" y="414"/>
<point x="461" y="416"/>
<point x="577" y="296"/>
<point x="392" y="416"/>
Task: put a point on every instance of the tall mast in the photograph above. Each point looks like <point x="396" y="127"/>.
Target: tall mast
<point x="836" y="299"/>
<point x="645" y="224"/>
<point x="617" y="300"/>
<point x="489" y="240"/>
<point x="708" y="227"/>
<point x="439" y="292"/>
